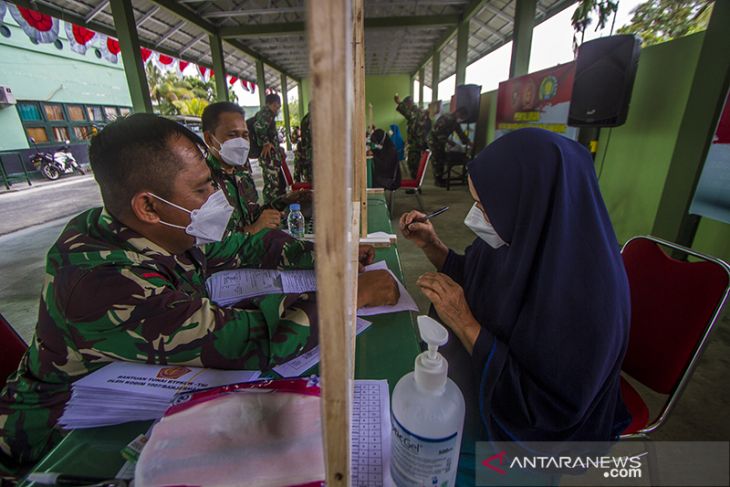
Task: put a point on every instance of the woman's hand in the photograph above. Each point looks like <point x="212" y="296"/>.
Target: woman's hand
<point x="450" y="303"/>
<point x="416" y="230"/>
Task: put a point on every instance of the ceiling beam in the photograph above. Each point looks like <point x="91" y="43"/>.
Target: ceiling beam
<point x="225" y="14"/>
<point x="197" y="20"/>
<point x="96" y="11"/>
<point x="147" y="15"/>
<point x="254" y="30"/>
<point x="170" y="33"/>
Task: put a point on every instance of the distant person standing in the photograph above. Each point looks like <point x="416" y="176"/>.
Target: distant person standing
<point x="303" y="154"/>
<point x="267" y="138"/>
<point x="417" y="131"/>
<point x="438" y="139"/>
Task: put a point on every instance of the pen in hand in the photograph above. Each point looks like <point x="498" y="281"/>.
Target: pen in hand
<point x="427" y="217"/>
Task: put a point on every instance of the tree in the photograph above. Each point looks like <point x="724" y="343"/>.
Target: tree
<point x="193" y="107"/>
<point x="176" y="95"/>
<point x="657" y="21"/>
<point x="583" y="16"/>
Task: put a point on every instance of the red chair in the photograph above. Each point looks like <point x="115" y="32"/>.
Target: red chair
<point x="13" y="348"/>
<point x="674" y="307"/>
<point x="289" y="180"/>
<point x="413" y="184"/>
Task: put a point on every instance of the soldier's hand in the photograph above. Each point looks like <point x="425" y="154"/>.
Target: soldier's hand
<point x="266" y="149"/>
<point x="376" y="288"/>
<point x="269" y="218"/>
<point x="396" y="98"/>
<point x="416" y="230"/>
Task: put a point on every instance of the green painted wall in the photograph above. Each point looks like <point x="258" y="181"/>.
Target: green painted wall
<point x="379" y="90"/>
<point x="43" y="72"/>
<point x="713" y="238"/>
<point x="633" y="160"/>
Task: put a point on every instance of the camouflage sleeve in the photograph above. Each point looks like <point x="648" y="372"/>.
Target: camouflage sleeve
<point x="142" y="316"/>
<point x="267" y="249"/>
<point x="261" y="127"/>
<point x="403" y="110"/>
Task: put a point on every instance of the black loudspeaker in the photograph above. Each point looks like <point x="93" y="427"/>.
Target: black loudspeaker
<point x="467" y="96"/>
<point x="604" y="77"/>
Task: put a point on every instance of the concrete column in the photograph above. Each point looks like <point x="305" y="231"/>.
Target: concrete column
<point x="435" y="68"/>
<point x="522" y="37"/>
<point x="131" y="57"/>
<point x="219" y="66"/>
<point x="462" y="45"/>
<point x="261" y="81"/>
<point x="285" y="107"/>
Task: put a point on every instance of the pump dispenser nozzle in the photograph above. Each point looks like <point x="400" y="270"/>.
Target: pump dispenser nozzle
<point x="431" y="368"/>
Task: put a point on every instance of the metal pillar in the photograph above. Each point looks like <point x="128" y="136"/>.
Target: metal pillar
<point x="421" y="76"/>
<point x="261" y="81"/>
<point x="462" y="45"/>
<point x="219" y="66"/>
<point x="285" y="107"/>
<point x="131" y="56"/>
<point x="300" y="93"/>
<point x="522" y="37"/>
<point x="435" y="69"/>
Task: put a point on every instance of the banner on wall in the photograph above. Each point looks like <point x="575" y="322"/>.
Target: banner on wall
<point x="712" y="196"/>
<point x="540" y="99"/>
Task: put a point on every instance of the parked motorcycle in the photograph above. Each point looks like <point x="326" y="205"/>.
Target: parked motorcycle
<point x="52" y="167"/>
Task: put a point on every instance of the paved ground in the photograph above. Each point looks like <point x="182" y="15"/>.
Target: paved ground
<point x="41" y="203"/>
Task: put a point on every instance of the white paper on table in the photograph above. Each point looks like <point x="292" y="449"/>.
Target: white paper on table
<point x="370" y="422"/>
<point x="228" y="287"/>
<point x="405" y="302"/>
<point x="297" y="366"/>
<point x="298" y="281"/>
<point x="150" y="380"/>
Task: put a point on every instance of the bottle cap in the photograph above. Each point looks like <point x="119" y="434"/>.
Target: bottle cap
<point x="431" y="367"/>
<point x="295" y="207"/>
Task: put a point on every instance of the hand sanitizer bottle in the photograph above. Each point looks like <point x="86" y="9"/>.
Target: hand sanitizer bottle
<point x="427" y="417"/>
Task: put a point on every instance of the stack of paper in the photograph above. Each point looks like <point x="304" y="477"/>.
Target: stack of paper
<point x="124" y="391"/>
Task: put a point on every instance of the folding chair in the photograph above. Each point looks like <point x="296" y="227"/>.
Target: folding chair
<point x="13" y="348"/>
<point x="413" y="184"/>
<point x="289" y="180"/>
<point x="674" y="307"/>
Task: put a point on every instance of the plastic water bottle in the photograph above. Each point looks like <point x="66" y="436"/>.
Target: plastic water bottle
<point x="295" y="221"/>
<point x="427" y="417"/>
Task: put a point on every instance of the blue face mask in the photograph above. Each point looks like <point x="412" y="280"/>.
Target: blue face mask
<point x="483" y="229"/>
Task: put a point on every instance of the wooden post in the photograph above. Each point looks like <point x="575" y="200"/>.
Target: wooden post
<point x="358" y="120"/>
<point x="331" y="67"/>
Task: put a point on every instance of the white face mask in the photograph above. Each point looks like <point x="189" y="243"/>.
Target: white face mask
<point x="208" y="223"/>
<point x="234" y="151"/>
<point x="484" y="230"/>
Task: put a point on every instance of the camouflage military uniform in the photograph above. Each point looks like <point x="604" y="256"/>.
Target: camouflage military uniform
<point x="110" y="294"/>
<point x="265" y="132"/>
<point x="418" y="124"/>
<point x="240" y="191"/>
<point x="303" y="156"/>
<point x="445" y="125"/>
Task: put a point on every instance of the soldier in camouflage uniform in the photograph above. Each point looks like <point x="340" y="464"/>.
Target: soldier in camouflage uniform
<point x="231" y="170"/>
<point x="271" y="156"/>
<point x="303" y="156"/>
<point x="127" y="282"/>
<point x="438" y="139"/>
<point x="417" y="131"/>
